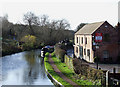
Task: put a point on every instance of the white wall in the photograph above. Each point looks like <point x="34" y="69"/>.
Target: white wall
<point x="85" y="46"/>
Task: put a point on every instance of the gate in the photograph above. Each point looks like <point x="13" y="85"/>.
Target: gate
<point x="114" y="79"/>
<point x="111" y="79"/>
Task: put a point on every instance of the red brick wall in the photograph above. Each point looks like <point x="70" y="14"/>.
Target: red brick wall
<point x="112" y="45"/>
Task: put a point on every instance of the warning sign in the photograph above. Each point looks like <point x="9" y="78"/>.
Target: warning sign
<point x="98" y="37"/>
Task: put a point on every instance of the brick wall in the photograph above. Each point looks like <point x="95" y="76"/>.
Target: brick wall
<point x="110" y="45"/>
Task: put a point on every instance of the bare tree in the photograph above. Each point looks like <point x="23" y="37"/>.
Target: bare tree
<point x="63" y="24"/>
<point x="44" y="21"/>
<point x="31" y="19"/>
<point x="54" y="24"/>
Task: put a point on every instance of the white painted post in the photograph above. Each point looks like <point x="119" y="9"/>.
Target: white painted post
<point x="107" y="78"/>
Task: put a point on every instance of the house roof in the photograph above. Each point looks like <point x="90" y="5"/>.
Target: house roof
<point x="90" y="28"/>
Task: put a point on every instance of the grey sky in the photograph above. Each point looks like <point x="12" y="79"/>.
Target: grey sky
<point x="75" y="11"/>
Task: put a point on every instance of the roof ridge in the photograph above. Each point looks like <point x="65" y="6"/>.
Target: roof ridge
<point x="95" y="22"/>
<point x="99" y="26"/>
<point x="90" y="28"/>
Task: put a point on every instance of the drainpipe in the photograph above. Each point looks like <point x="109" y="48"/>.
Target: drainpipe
<point x="95" y="50"/>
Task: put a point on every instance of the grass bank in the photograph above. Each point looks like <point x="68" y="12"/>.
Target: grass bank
<point x="70" y="73"/>
<point x="53" y="73"/>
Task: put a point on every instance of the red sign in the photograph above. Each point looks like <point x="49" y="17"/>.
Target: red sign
<point x="98" y="37"/>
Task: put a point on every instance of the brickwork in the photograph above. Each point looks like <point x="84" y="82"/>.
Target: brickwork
<point x="111" y="45"/>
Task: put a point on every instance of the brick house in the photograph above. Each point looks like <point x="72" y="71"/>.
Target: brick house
<point x="85" y="45"/>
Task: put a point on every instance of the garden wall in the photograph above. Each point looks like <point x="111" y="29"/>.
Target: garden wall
<point x="68" y="61"/>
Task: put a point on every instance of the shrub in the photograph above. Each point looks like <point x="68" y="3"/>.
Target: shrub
<point x="42" y="44"/>
<point x="9" y="48"/>
<point x="60" y="53"/>
<point x="47" y="54"/>
<point x="86" y="71"/>
<point x="29" y="41"/>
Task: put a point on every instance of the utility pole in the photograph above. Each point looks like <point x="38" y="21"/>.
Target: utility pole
<point x="98" y="38"/>
<point x="97" y="47"/>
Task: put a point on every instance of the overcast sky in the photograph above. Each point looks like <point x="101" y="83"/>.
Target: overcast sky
<point x="75" y="11"/>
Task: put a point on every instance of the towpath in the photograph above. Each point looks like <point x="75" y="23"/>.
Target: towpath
<point x="60" y="73"/>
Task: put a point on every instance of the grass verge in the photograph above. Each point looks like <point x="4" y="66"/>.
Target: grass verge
<point x="69" y="73"/>
<point x="53" y="73"/>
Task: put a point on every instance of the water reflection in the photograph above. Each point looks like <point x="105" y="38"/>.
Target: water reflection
<point x="25" y="68"/>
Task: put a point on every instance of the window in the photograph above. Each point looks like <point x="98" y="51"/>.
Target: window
<point x="105" y="54"/>
<point x="106" y="38"/>
<point x="84" y="51"/>
<point x="86" y="40"/>
<point x="106" y="26"/>
<point x="76" y="49"/>
<point x="77" y="39"/>
<point x="81" y="51"/>
<point x="82" y="40"/>
<point x="88" y="53"/>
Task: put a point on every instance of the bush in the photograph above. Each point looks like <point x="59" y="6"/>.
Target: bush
<point x="86" y="71"/>
<point x="9" y="48"/>
<point x="60" y="53"/>
<point x="47" y="54"/>
<point x="29" y="41"/>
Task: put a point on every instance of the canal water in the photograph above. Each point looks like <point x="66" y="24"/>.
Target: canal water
<point x="25" y="68"/>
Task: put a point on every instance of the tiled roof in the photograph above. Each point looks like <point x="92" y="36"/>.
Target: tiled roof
<point x="90" y="28"/>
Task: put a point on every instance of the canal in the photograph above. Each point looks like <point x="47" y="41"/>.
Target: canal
<point x="24" y="68"/>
